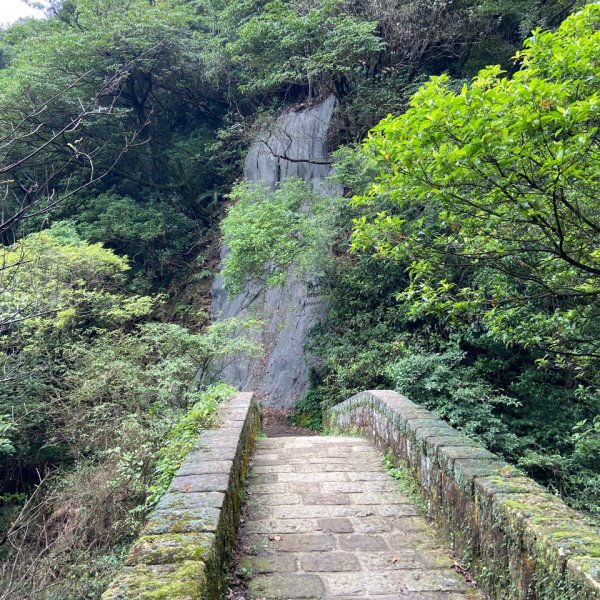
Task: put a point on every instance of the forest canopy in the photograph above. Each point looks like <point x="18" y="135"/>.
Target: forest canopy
<point x="460" y="266"/>
<point x="494" y="196"/>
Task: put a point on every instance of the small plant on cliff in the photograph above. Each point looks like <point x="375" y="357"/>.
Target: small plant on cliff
<point x="268" y="231"/>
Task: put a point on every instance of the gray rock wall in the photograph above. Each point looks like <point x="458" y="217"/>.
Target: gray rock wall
<point x="295" y="146"/>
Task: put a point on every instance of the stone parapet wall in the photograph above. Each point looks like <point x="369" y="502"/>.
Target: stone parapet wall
<point x="184" y="550"/>
<point x="521" y="541"/>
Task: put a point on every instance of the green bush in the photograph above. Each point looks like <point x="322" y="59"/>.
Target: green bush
<point x="473" y="286"/>
<point x="267" y="232"/>
<point x="183" y="436"/>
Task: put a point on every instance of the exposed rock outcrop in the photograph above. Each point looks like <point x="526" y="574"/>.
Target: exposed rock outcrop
<point x="296" y="146"/>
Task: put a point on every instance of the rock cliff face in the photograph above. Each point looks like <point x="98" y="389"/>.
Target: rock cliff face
<point x="296" y="146"/>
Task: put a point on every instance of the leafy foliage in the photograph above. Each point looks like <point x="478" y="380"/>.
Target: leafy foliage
<point x="122" y="126"/>
<point x="156" y="234"/>
<point x="184" y="435"/>
<point x="498" y="184"/>
<point x="317" y="43"/>
<point x="53" y="284"/>
<point x="92" y="390"/>
<point x="116" y="425"/>
<point x="481" y="201"/>
<point x="268" y="231"/>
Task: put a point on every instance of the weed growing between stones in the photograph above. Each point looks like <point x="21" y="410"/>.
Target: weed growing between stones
<point x="407" y="483"/>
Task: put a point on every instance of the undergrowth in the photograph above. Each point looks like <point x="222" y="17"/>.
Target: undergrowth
<point x="182" y="438"/>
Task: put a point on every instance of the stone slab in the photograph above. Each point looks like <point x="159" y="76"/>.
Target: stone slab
<point x="339" y="538"/>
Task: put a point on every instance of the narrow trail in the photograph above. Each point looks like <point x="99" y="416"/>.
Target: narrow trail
<point x="277" y="423"/>
<point x="325" y="521"/>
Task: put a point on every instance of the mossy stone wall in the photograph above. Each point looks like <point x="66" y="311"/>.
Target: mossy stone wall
<point x="184" y="550"/>
<point x="521" y="541"/>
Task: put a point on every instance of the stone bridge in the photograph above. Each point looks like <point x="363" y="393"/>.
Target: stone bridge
<point x="327" y="518"/>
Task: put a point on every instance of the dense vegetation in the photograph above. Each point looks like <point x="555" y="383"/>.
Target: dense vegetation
<point x="483" y="201"/>
<point x="464" y="272"/>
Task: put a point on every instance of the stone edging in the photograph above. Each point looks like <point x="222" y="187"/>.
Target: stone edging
<point x="184" y="550"/>
<point x="521" y="541"/>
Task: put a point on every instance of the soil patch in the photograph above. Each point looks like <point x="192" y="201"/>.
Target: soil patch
<point x="277" y="423"/>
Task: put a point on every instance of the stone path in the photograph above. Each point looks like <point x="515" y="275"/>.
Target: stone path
<point x="326" y="521"/>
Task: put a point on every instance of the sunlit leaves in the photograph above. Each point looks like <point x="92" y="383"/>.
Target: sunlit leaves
<point x="503" y="174"/>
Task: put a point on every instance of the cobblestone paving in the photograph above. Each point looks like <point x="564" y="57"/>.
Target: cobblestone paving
<point x="326" y="521"/>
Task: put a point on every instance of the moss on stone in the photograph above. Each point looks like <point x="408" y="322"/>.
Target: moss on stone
<point x="584" y="572"/>
<point x="524" y="537"/>
<point x="576" y="540"/>
<point x="175" y="559"/>
<point x="507" y="484"/>
<point x="171" y="548"/>
<point x="182" y="581"/>
<point x="181" y="521"/>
